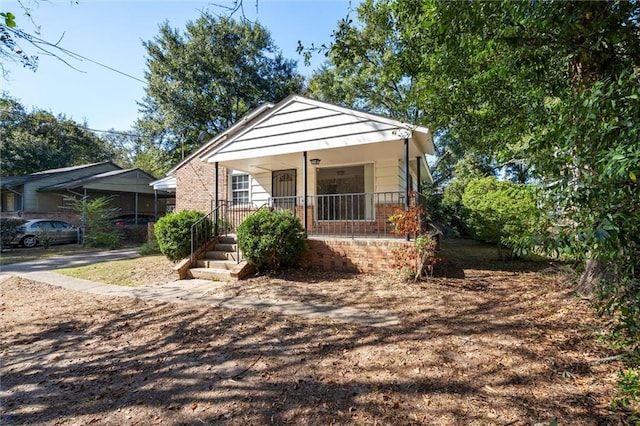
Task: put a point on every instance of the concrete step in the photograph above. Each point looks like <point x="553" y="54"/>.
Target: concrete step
<point x="210" y="274"/>
<point x="226" y="247"/>
<point x="217" y="264"/>
<point x="231" y="271"/>
<point x="228" y="239"/>
<point x="221" y="255"/>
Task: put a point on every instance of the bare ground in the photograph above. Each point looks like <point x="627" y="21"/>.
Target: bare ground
<point x="496" y="346"/>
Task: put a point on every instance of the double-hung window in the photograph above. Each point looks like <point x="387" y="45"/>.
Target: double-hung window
<point x="240" y="189"/>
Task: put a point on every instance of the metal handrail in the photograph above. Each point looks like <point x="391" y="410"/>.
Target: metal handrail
<point x="202" y="231"/>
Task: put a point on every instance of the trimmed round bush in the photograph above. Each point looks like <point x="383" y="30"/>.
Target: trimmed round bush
<point x="272" y="239"/>
<point x="173" y="233"/>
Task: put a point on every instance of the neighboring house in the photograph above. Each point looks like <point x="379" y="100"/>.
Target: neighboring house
<point x="45" y="194"/>
<point x="342" y="171"/>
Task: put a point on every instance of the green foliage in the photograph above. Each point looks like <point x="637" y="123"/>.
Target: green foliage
<point x="8" y="231"/>
<point x="466" y="169"/>
<point x="37" y="140"/>
<point x="45" y="237"/>
<point x="150" y="248"/>
<point x="550" y="86"/>
<point x="95" y="215"/>
<point x="10" y="36"/>
<point x="629" y="391"/>
<point x="207" y="77"/>
<point x="173" y="233"/>
<point x="9" y="19"/>
<point x="137" y="150"/>
<point x="501" y="212"/>
<point x="272" y="239"/>
<point x="109" y="239"/>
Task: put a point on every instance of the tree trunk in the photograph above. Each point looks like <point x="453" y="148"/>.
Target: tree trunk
<point x="499" y="242"/>
<point x="590" y="279"/>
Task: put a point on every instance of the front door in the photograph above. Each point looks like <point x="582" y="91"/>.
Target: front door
<point x="284" y="190"/>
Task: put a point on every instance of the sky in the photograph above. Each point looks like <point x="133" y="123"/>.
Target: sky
<point x="111" y="32"/>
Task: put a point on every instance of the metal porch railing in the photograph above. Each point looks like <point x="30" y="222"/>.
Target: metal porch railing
<point x="357" y="215"/>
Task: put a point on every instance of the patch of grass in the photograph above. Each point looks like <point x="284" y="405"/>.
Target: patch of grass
<point x="477" y="255"/>
<point x="147" y="270"/>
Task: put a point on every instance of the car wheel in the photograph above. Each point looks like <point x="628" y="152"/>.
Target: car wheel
<point x="29" y="241"/>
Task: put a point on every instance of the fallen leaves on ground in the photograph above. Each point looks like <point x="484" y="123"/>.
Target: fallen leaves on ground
<point x="494" y="347"/>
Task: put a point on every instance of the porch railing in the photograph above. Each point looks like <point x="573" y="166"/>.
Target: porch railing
<point x="349" y="215"/>
<point x="357" y="215"/>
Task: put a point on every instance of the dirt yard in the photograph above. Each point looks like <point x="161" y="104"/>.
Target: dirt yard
<point x="492" y="346"/>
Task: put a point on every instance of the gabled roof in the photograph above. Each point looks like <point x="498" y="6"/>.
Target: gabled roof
<point x="85" y="181"/>
<point x="12" y="181"/>
<point x="239" y="125"/>
<point x="298" y="124"/>
<point x="72" y="168"/>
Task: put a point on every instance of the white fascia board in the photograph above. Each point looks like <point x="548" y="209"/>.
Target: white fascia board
<point x="168" y="182"/>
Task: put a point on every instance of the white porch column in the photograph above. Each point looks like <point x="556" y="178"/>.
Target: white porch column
<point x="304" y="189"/>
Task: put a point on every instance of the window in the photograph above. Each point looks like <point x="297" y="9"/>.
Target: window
<point x="240" y="189"/>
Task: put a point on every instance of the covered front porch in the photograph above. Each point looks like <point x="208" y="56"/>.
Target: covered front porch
<point x="342" y="171"/>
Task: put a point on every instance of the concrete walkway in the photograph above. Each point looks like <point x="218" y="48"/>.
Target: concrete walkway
<point x="196" y="291"/>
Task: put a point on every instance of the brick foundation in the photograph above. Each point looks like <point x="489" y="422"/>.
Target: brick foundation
<point x="359" y="255"/>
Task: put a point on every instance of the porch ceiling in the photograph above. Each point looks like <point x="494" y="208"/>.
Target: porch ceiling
<point x="328" y="157"/>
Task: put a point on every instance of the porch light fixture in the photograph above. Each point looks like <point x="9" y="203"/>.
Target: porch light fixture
<point x="315" y="161"/>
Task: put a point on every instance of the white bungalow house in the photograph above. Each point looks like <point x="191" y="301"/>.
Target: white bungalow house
<point x="342" y="171"/>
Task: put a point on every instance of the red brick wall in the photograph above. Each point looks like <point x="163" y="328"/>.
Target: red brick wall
<point x="195" y="185"/>
<point x="368" y="256"/>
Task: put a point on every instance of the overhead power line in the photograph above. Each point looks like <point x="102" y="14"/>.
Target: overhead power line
<point x="44" y="46"/>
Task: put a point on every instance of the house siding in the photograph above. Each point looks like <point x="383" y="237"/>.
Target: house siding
<point x="386" y="174"/>
<point x="41" y="202"/>
<point x="260" y="188"/>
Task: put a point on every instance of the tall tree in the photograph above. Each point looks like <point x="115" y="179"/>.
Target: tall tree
<point x="206" y="78"/>
<point x="554" y="86"/>
<point x="38" y="140"/>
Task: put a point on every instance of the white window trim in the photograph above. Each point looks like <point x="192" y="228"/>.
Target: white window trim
<point x="232" y="191"/>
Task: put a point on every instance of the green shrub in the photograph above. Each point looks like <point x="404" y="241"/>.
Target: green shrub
<point x="45" y="237"/>
<point x="502" y="212"/>
<point x="149" y="248"/>
<point x="96" y="223"/>
<point x="272" y="239"/>
<point x="173" y="233"/>
<point x="629" y="393"/>
<point x="8" y="231"/>
<point x="102" y="239"/>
